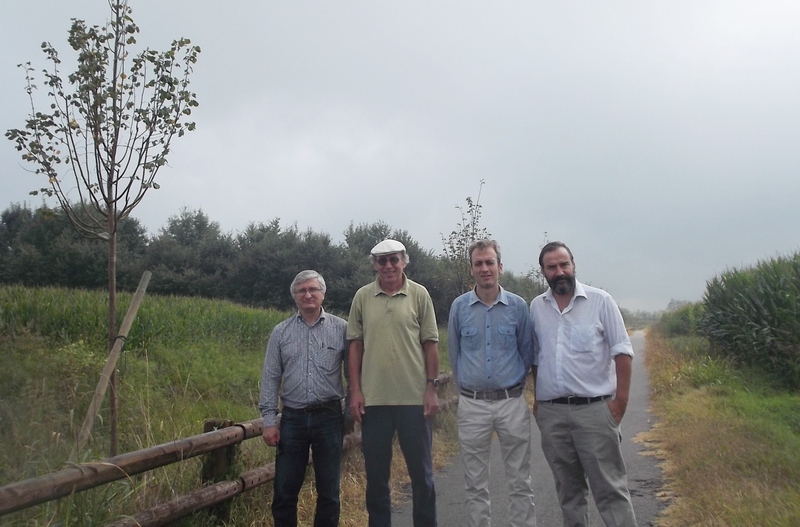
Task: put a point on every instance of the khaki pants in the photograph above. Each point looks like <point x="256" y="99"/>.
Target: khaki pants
<point x="510" y="418"/>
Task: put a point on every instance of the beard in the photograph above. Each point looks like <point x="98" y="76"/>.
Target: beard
<point x="562" y="285"/>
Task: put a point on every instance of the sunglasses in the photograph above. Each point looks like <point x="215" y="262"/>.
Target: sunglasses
<point x="393" y="259"/>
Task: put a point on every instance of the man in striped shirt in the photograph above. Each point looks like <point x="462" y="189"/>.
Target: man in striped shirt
<point x="304" y="363"/>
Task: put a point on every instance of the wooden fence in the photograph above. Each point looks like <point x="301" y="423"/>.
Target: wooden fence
<point x="214" y="443"/>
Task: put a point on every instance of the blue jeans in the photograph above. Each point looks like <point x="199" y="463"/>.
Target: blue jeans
<point x="415" y="435"/>
<point x="322" y="432"/>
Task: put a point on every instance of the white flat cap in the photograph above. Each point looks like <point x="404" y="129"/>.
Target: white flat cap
<point x="388" y="247"/>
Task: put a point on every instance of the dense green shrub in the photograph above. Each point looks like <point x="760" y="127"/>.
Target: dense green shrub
<point x="752" y="316"/>
<point x="683" y="321"/>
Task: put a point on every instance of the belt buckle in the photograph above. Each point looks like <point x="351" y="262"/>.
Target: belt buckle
<point x="485" y="395"/>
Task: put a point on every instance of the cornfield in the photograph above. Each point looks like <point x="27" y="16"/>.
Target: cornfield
<point x="69" y="315"/>
<point x="752" y="316"/>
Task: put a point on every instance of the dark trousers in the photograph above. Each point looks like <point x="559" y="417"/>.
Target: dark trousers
<point x="322" y="432"/>
<point x="415" y="435"/>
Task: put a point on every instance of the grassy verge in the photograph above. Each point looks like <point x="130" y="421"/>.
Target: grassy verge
<point x="731" y="442"/>
<point x="186" y="360"/>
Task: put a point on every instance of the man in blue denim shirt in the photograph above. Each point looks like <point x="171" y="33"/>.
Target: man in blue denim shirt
<point x="490" y="343"/>
<point x="304" y="362"/>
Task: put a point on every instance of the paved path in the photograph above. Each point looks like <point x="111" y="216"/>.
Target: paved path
<point x="644" y="477"/>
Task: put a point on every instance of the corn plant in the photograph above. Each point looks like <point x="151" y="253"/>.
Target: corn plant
<point x="752" y="315"/>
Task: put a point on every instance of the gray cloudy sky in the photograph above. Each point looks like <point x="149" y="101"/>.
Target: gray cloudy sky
<point x="658" y="139"/>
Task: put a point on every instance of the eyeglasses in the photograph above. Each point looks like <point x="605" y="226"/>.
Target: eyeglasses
<point x="311" y="291"/>
<point x="393" y="259"/>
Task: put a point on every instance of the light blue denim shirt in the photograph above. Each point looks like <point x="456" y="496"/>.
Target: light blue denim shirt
<point x="490" y="347"/>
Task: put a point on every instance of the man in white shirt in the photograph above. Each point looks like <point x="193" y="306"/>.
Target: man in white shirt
<point x="583" y="373"/>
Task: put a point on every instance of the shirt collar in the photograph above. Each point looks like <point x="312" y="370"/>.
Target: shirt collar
<point x="376" y="287"/>
<point x="502" y="297"/>
<point x="578" y="292"/>
<point x="299" y="317"/>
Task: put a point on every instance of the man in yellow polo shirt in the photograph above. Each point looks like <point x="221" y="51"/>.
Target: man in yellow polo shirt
<point x="394" y="367"/>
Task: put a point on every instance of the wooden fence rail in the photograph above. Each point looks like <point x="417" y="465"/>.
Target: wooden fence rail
<point x="206" y="497"/>
<point x="55" y="485"/>
<point x="33" y="491"/>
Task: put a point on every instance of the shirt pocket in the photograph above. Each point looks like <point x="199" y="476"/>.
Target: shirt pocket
<point x="584" y="337"/>
<point x="328" y="358"/>
<point x="469" y="338"/>
<point x="508" y="336"/>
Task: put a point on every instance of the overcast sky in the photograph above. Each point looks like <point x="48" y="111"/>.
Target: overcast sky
<point x="659" y="140"/>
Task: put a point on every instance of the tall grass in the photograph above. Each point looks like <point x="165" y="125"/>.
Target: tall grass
<point x="753" y="315"/>
<point x="730" y="440"/>
<point x="186" y="360"/>
<point x="68" y="315"/>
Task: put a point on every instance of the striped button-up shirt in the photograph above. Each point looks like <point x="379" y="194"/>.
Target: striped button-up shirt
<point x="307" y="361"/>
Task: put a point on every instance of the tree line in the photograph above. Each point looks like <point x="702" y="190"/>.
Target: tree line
<point x="192" y="256"/>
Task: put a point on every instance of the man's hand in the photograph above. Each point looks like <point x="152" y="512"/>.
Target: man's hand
<point x="430" y="402"/>
<point x="271" y="435"/>
<point x="617" y="407"/>
<point x="535" y="408"/>
<point x="357" y="405"/>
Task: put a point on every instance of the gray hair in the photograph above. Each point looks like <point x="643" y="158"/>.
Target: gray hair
<point x="306" y="275"/>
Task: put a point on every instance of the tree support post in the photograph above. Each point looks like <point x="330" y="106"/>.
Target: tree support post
<point x="111" y="364"/>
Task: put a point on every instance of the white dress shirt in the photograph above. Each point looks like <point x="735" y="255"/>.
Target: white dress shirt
<point x="576" y="347"/>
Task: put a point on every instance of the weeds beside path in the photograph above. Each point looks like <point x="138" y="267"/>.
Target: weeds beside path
<point x="730" y="442"/>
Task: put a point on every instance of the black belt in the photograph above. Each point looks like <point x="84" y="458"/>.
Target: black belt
<point x="494" y="395"/>
<point x="335" y="404"/>
<point x="574" y="399"/>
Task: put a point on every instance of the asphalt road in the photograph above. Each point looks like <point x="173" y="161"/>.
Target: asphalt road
<point x="644" y="476"/>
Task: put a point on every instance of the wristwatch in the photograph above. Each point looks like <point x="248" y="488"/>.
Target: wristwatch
<point x="435" y="382"/>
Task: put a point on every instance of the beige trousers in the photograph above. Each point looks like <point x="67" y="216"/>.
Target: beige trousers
<point x="511" y="420"/>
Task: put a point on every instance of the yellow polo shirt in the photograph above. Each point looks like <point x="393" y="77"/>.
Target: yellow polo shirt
<point x="393" y="328"/>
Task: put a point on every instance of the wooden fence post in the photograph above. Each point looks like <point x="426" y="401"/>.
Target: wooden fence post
<point x="217" y="466"/>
